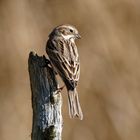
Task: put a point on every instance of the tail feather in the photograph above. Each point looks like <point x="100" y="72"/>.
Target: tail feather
<point x="74" y="105"/>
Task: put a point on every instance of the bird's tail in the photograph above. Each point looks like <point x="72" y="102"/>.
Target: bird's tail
<point x="74" y="105"/>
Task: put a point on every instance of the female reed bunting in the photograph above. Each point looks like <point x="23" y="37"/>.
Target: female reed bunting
<point x="64" y="58"/>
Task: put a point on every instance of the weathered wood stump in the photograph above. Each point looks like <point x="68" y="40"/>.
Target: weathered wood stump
<point x="46" y="100"/>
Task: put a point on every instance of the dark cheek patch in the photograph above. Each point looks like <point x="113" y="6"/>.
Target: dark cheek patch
<point x="64" y="32"/>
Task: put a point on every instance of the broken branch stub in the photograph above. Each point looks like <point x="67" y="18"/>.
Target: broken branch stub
<point x="46" y="101"/>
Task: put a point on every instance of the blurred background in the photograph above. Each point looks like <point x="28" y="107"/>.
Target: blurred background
<point x="109" y="85"/>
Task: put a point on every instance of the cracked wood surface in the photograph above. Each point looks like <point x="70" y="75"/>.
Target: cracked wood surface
<point x="46" y="102"/>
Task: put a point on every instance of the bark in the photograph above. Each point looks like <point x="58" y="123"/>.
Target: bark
<point x="46" y="100"/>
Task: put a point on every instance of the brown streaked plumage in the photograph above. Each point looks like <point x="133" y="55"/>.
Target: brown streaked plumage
<point x="63" y="54"/>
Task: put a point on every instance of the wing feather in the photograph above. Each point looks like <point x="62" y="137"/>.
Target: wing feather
<point x="64" y="57"/>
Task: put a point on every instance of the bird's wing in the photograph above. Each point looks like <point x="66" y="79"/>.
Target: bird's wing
<point x="65" y="59"/>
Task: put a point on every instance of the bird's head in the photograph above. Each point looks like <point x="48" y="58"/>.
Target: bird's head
<point x="66" y="31"/>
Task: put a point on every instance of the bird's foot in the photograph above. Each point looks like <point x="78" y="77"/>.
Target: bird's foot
<point x="56" y="94"/>
<point x="59" y="89"/>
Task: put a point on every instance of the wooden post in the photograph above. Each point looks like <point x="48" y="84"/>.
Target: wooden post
<point x="46" y="100"/>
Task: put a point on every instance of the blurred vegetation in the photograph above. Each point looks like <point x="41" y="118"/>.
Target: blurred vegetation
<point x="109" y="85"/>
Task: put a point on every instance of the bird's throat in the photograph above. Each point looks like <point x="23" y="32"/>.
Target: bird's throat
<point x="69" y="38"/>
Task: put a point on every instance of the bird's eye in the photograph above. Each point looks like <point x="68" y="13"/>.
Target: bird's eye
<point x="71" y="30"/>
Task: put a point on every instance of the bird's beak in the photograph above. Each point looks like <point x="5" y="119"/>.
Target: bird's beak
<point x="78" y="36"/>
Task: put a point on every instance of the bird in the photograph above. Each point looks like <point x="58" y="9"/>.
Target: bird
<point x="64" y="58"/>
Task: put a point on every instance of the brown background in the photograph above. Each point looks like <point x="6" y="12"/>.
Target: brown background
<point x="109" y="86"/>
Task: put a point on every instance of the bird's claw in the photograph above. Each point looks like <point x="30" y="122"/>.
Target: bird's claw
<point x="59" y="89"/>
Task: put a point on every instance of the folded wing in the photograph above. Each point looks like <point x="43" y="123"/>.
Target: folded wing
<point x="64" y="57"/>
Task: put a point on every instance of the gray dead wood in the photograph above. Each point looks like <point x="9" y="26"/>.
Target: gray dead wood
<point x="46" y="102"/>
